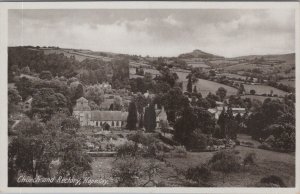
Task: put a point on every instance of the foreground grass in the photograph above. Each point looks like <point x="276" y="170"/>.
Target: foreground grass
<point x="267" y="163"/>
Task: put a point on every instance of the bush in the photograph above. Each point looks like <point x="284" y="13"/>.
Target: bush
<point x="198" y="141"/>
<point x="272" y="179"/>
<point x="179" y="151"/>
<point x="249" y="159"/>
<point x="127" y="171"/>
<point x="142" y="138"/>
<point x="225" y="162"/>
<point x="199" y="174"/>
<point x="128" y="149"/>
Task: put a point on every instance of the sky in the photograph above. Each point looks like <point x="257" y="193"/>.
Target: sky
<point x="157" y="32"/>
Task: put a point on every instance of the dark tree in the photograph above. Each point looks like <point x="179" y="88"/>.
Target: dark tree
<point x="132" y="116"/>
<point x="185" y="126"/>
<point x="189" y="87"/>
<point x="252" y="92"/>
<point x="195" y="90"/>
<point x="221" y="92"/>
<point x="150" y="118"/>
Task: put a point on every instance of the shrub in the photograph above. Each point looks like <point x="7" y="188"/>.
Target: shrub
<point x="272" y="179"/>
<point x="225" y="162"/>
<point x="127" y="171"/>
<point x="199" y="174"/>
<point x="249" y="159"/>
<point x="128" y="149"/>
<point x="198" y="141"/>
<point x="142" y="138"/>
<point x="179" y="151"/>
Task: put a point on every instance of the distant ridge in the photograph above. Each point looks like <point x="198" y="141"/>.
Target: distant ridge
<point x="199" y="54"/>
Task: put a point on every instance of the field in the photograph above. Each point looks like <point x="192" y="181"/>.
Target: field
<point x="288" y="82"/>
<point x="79" y="56"/>
<point x="234" y="76"/>
<point x="206" y="86"/>
<point x="267" y="163"/>
<point x="263" y="89"/>
<point x="197" y="64"/>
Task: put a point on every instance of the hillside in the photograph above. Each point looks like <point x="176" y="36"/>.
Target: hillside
<point x="199" y="54"/>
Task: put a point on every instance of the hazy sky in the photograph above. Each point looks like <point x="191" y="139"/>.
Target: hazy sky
<point x="157" y="32"/>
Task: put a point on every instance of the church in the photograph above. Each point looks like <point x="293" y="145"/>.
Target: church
<point x="97" y="118"/>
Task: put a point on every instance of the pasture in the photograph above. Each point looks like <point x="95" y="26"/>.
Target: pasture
<point x="288" y="82"/>
<point x="263" y="89"/>
<point x="206" y="86"/>
<point x="267" y="163"/>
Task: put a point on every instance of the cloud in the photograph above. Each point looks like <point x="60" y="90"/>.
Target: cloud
<point x="157" y="32"/>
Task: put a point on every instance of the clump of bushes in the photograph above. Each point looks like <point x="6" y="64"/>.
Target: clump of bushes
<point x="249" y="159"/>
<point x="199" y="174"/>
<point x="128" y="149"/>
<point x="271" y="181"/>
<point x="179" y="151"/>
<point x="225" y="161"/>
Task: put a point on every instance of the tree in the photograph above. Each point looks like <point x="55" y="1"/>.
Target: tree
<point x="150" y="118"/>
<point x="117" y="105"/>
<point x="184" y="126"/>
<point x="79" y="92"/>
<point x="13" y="100"/>
<point x="46" y="75"/>
<point x="195" y="90"/>
<point x="70" y="124"/>
<point x="174" y="102"/>
<point x="29" y="128"/>
<point x="252" y="92"/>
<point x="140" y="102"/>
<point x="222" y="123"/>
<point x="75" y="161"/>
<point x="225" y="162"/>
<point x="27" y="155"/>
<point x="93" y="93"/>
<point x="189" y="87"/>
<point x="132" y="116"/>
<point x="212" y="98"/>
<point x="46" y="102"/>
<point x="221" y="92"/>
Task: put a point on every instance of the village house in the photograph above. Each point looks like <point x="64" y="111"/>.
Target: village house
<point x="218" y="110"/>
<point x="161" y="116"/>
<point x="27" y="105"/>
<point x="97" y="118"/>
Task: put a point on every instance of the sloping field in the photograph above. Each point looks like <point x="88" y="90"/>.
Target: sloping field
<point x="263" y="89"/>
<point x="197" y="64"/>
<point x="288" y="82"/>
<point x="78" y="55"/>
<point x="235" y="76"/>
<point x="206" y="86"/>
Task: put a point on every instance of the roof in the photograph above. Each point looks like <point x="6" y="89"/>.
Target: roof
<point x="82" y="106"/>
<point x="97" y="115"/>
<point x="81" y="99"/>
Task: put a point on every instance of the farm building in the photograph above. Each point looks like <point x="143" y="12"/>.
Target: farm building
<point x="218" y="110"/>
